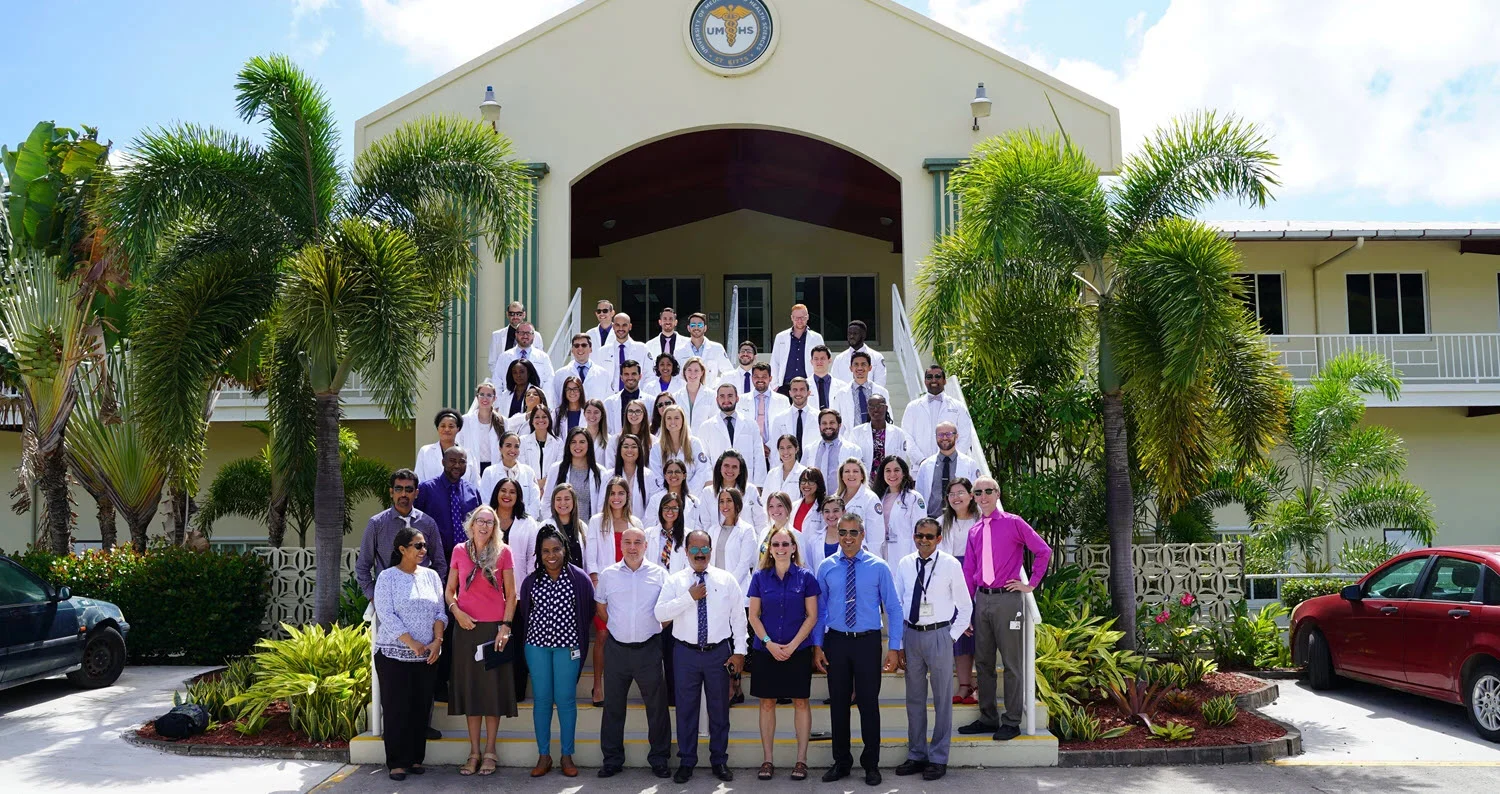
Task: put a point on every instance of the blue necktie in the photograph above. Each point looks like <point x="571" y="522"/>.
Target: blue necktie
<point x="455" y="514"/>
<point x="702" y="616"/>
<point x="747" y="383"/>
<point x="850" y="599"/>
<point x="620" y="366"/>
<point x="864" y="405"/>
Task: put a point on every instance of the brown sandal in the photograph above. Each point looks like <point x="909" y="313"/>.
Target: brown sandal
<point x="799" y="772"/>
<point x="470" y="765"/>
<point x="767" y="771"/>
<point x="543" y="766"/>
<point x="491" y="761"/>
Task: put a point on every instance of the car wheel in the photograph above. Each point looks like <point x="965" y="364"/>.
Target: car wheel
<point x="103" y="659"/>
<point x="1319" y="662"/>
<point x="1482" y="699"/>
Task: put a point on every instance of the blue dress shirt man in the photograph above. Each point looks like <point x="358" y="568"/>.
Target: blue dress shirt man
<point x="449" y="498"/>
<point x="856" y="585"/>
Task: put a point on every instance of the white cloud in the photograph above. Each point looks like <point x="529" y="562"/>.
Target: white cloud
<point x="311" y="46"/>
<point x="445" y="33"/>
<point x="1381" y="98"/>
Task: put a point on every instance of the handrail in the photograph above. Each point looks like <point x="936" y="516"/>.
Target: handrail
<point x="904" y="345"/>
<point x="732" y="327"/>
<point x="376" y="716"/>
<point x="567" y="326"/>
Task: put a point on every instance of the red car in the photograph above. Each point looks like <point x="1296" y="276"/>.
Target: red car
<point x="1426" y="622"/>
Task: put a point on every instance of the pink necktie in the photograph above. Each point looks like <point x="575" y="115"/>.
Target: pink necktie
<point x="986" y="551"/>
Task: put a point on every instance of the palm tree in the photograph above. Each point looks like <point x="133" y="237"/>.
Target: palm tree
<point x="1340" y="475"/>
<point x="1180" y="367"/>
<point x="253" y="247"/>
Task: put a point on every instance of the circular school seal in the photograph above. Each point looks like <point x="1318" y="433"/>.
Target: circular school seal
<point x="731" y="37"/>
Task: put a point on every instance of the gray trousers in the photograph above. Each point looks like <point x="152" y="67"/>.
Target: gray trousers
<point x="929" y="658"/>
<point x="623" y="665"/>
<point x="993" y="614"/>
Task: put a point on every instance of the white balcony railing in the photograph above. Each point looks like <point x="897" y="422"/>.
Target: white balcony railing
<point x="1432" y="359"/>
<point x="237" y="404"/>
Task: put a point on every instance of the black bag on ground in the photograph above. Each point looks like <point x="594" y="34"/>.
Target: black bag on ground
<point x="189" y="719"/>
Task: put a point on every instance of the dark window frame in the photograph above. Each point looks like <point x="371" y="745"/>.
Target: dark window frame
<point x="643" y="328"/>
<point x="1368" y="287"/>
<point x="1254" y="283"/>
<point x="817" y="320"/>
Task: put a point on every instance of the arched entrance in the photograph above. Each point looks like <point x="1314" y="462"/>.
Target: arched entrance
<point x="787" y="218"/>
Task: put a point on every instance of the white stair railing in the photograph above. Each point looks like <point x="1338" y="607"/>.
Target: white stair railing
<point x="732" y="327"/>
<point x="904" y="347"/>
<point x="562" y="341"/>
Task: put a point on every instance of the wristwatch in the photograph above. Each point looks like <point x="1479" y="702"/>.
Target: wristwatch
<point x="766" y="639"/>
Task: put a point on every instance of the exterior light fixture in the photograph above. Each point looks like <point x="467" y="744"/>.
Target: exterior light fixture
<point x="609" y="224"/>
<point x="489" y="109"/>
<point x="980" y="106"/>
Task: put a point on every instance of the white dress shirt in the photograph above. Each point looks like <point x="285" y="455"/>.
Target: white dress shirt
<point x="924" y="414"/>
<point x="943" y="591"/>
<point x="631" y="596"/>
<point x="726" y="607"/>
<point x="840" y="367"/>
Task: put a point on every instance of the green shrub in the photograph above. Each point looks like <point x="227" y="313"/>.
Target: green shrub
<point x="1295" y="591"/>
<point x="1169" y="675"/>
<point x="1078" y="724"/>
<point x="352" y="603"/>
<point x="1220" y="711"/>
<point x="1171" y="628"/>
<point x="322" y="674"/>
<point x="1067" y="590"/>
<point x="214" y="692"/>
<point x="1076" y="659"/>
<point x="1362" y="555"/>
<point x="1172" y="732"/>
<point x="183" y="606"/>
<point x="1250" y="643"/>
<point x="1179" y="702"/>
<point x="1196" y="669"/>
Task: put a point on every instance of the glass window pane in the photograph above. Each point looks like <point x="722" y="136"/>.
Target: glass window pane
<point x="1452" y="580"/>
<point x="1360" y="319"/>
<point x="863" y="298"/>
<point x="18" y="588"/>
<point x="1413" y="304"/>
<point x="1397" y="581"/>
<point x="633" y="295"/>
<point x="1491" y="588"/>
<point x="1247" y="291"/>
<point x="644" y="327"/>
<point x="1268" y="299"/>
<point x="1387" y="304"/>
<point x="809" y="291"/>
<point x="689" y="299"/>
<point x="835" y="307"/>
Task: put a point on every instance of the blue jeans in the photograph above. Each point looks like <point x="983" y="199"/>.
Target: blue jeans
<point x="554" y="680"/>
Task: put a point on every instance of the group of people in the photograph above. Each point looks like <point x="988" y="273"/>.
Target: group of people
<point x="716" y="517"/>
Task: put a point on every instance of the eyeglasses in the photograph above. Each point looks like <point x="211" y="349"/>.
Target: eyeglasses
<point x="603" y="311"/>
<point x="925" y="536"/>
<point x="419" y="546"/>
<point x="850" y="533"/>
<point x="484" y="522"/>
<point x="484" y="396"/>
<point x="986" y="491"/>
<point x="515" y="314"/>
<point x="700" y="549"/>
<point x="580" y="345"/>
<point x="782" y="545"/>
<point x="947" y="435"/>
<point x="403" y="489"/>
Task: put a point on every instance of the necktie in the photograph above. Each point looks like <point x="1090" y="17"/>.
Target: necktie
<point x="879" y="438"/>
<point x="747" y="382"/>
<point x="760" y="412"/>
<point x="702" y="616"/>
<point x="823" y="390"/>
<point x="987" y="551"/>
<point x="864" y="405"/>
<point x="671" y="343"/>
<point x="407" y="519"/>
<point x="583" y="372"/>
<point x="620" y="365"/>
<point x="729" y="424"/>
<point x="523" y="354"/>
<point x="455" y="514"/>
<point x="916" y="594"/>
<point x="828" y="463"/>
<point x="850" y="597"/>
<point x="939" y="489"/>
<point x="799" y="425"/>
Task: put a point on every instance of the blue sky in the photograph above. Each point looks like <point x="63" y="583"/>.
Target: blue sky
<point x="1378" y="112"/>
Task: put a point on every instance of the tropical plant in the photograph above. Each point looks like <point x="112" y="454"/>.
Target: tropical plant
<point x="246" y="487"/>
<point x="1250" y="643"/>
<point x="1169" y="675"/>
<point x="352" y="603"/>
<point x="1196" y="669"/>
<point x="1171" y="628"/>
<point x="1078" y="724"/>
<point x="1044" y="255"/>
<point x="214" y="691"/>
<point x="1341" y="475"/>
<point x="1179" y="702"/>
<point x="1068" y="589"/>
<point x="1136" y="698"/>
<point x="1075" y="659"/>
<point x="1172" y="732"/>
<point x="322" y="674"/>
<point x="105" y="447"/>
<point x="271" y="253"/>
<point x="1362" y="555"/>
<point x="1295" y="591"/>
<point x="1220" y="711"/>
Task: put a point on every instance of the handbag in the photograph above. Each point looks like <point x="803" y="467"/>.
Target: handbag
<point x="494" y="658"/>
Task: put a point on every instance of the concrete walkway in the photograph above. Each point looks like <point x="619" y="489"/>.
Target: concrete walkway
<point x="56" y="738"/>
<point x="1362" y="724"/>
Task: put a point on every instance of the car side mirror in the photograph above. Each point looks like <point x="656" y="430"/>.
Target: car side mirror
<point x="62" y="594"/>
<point x="1352" y="593"/>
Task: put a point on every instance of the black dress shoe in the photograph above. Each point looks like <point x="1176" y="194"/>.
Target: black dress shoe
<point x="721" y="771"/>
<point x="977" y="726"/>
<point x="661" y="771"/>
<point x="934" y="771"/>
<point x="398" y="776"/>
<point x="735" y="700"/>
<point x="417" y="769"/>
<point x="1006" y="733"/>
<point x="684" y="774"/>
<point x="910" y="767"/>
<point x="835" y="772"/>
<point x="872" y="777"/>
<point x="609" y="771"/>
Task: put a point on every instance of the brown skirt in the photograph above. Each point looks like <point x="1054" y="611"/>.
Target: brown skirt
<point x="472" y="690"/>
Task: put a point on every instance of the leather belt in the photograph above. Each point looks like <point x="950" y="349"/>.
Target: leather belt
<point x="852" y="634"/>
<point x="929" y="627"/>
<point x="993" y="590"/>
<point x="693" y="646"/>
<point x="653" y="639"/>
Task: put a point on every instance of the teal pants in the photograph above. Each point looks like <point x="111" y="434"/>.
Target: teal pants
<point x="554" y="680"/>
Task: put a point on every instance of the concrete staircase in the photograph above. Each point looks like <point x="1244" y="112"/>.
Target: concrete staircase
<point x="516" y="746"/>
<point x="895" y="382"/>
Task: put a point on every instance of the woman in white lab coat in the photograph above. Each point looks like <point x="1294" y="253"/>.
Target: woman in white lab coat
<point x="731" y="471"/>
<point x="787" y="472"/>
<point x="696" y="395"/>
<point x="897" y="511"/>
<point x="675" y="441"/>
<point x="540" y="449"/>
<point x="860" y="500"/>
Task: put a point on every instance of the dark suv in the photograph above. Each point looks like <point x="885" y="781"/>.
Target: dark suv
<point x="46" y="632"/>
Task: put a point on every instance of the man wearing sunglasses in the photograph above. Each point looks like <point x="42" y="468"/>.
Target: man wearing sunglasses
<point x="706" y="606"/>
<point x="605" y="312"/>
<point x="937" y="605"/>
<point x="505" y="338"/>
<point x="597" y="384"/>
<point x="715" y="359"/>
<point x="994" y="569"/>
<point x="380" y="534"/>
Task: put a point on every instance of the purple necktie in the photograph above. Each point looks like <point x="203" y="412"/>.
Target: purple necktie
<point x="620" y="365"/>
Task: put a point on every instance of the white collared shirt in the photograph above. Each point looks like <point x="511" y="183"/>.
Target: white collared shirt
<point x="943" y="590"/>
<point x="631" y="596"/>
<point x="726" y="607"/>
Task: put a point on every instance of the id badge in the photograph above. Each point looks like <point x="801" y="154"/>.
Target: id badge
<point x="926" y="611"/>
<point x="1015" y="625"/>
<point x="576" y="655"/>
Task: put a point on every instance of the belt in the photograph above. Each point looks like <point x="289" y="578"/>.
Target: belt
<point x="929" y="627"/>
<point x="654" y="638"/>
<point x="993" y="590"/>
<point x="713" y="646"/>
<point x="852" y="634"/>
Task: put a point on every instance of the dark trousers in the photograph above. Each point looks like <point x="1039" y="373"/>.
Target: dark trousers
<point x="854" y="665"/>
<point x="641" y="665"/>
<point x="668" y="646"/>
<point x="406" y="701"/>
<point x="702" y="674"/>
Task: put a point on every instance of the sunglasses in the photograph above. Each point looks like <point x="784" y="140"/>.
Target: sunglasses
<point x="781" y="545"/>
<point x="403" y="489"/>
<point x="986" y="491"/>
<point x="925" y="536"/>
<point x="700" y="549"/>
<point x="419" y="546"/>
<point x="516" y="314"/>
<point x="850" y="533"/>
<point x="696" y="325"/>
<point x="603" y="311"/>
<point x="581" y="345"/>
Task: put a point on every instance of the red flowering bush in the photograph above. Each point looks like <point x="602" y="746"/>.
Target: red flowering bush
<point x="1171" y="628"/>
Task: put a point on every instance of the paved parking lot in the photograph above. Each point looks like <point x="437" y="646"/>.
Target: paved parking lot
<point x="1360" y="723"/>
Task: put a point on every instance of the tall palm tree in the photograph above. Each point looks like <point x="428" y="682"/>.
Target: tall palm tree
<point x="242" y="236"/>
<point x="1179" y="362"/>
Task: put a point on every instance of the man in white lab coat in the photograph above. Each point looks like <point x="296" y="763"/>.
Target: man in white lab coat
<point x="621" y="348"/>
<point x="856" y="334"/>
<point x="597" y="384"/>
<point x="823" y="388"/>
<point x="715" y="359"/>
<point x="668" y="341"/>
<point x="924" y="414"/>
<point x="526" y="349"/>
<point x="939" y="470"/>
<point x="791" y="354"/>
<point x="762" y="405"/>
<point x="732" y="429"/>
<point x="830" y="452"/>
<point x="614" y="404"/>
<point x="741" y="376"/>
<point x="855" y="403"/>
<point x="605" y="312"/>
<point x="505" y="338"/>
<point x="799" y="420"/>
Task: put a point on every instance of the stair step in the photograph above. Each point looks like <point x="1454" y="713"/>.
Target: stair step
<point x="517" y="748"/>
<point x="891" y="685"/>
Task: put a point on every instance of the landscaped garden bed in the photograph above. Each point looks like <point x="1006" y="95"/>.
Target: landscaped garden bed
<point x="276" y="733"/>
<point x="1247" y="727"/>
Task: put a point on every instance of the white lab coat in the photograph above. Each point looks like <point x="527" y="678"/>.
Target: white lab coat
<point x="678" y="560"/>
<point x="699" y="469"/>
<point x="835" y="388"/>
<point x="597" y="384"/>
<point x="863" y="504"/>
<point x="782" y="348"/>
<point x="896" y="443"/>
<point x="600" y="553"/>
<point x="535" y="354"/>
<point x="522" y="543"/>
<point x="705" y="406"/>
<point x="812" y="536"/>
<point x="481" y="442"/>
<point x="812" y="456"/>
<point x="965" y="466"/>
<point x="840" y="367"/>
<point x="789" y="484"/>
<point x="498" y="349"/>
<point x="894" y="530"/>
<point x="917" y="420"/>
<point x="639" y="499"/>
<point x="524" y="475"/>
<point x="753" y="513"/>
<point x="596" y="493"/>
<point x="614" y="408"/>
<point x="848" y="407"/>
<point x="746" y="441"/>
<point x="542" y="457"/>
<point x="608" y="356"/>
<point x="736" y="377"/>
<point x="715" y="359"/>
<point x="430" y="464"/>
<point x="742" y="553"/>
<point x="690" y="510"/>
<point x="655" y="344"/>
<point x="786" y="425"/>
<point x="651" y="388"/>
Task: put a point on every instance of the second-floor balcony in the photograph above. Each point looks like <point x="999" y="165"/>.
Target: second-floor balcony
<point x="1435" y="369"/>
<point x="239" y="405"/>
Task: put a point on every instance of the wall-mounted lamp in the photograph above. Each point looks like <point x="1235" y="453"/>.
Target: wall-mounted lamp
<point x="887" y="221"/>
<point x="489" y="109"/>
<point x="980" y="106"/>
<point x="609" y="225"/>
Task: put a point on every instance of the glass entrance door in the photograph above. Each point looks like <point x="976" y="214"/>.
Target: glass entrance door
<point x="754" y="312"/>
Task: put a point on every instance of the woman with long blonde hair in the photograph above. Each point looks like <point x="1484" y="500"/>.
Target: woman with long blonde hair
<point x="676" y="442"/>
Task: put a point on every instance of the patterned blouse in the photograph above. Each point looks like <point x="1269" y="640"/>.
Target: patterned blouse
<point x="407" y="603"/>
<point x="553" y="614"/>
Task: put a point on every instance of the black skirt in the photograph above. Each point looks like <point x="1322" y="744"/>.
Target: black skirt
<point x="789" y="679"/>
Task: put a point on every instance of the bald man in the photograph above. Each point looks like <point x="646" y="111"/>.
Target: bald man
<point x="626" y="599"/>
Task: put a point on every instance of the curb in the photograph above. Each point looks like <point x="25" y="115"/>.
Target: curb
<point x="1259" y="698"/>
<point x="1279" y="675"/>
<point x="237" y="751"/>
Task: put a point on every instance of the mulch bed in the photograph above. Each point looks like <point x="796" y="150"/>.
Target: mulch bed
<point x="1247" y="728"/>
<point x="277" y="733"/>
